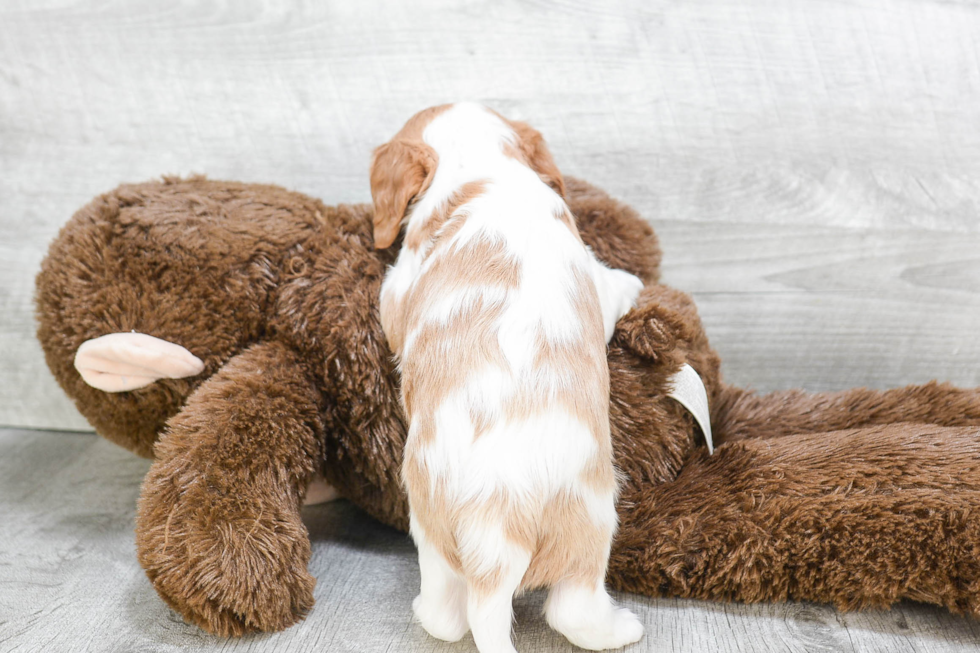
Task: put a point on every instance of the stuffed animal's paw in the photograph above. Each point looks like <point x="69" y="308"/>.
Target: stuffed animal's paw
<point x="647" y="332"/>
<point x="228" y="565"/>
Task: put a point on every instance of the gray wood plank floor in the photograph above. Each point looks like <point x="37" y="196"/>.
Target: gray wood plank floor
<point x="69" y="581"/>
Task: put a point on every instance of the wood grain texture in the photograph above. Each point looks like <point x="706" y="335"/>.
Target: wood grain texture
<point x="69" y="581"/>
<point x="812" y="167"/>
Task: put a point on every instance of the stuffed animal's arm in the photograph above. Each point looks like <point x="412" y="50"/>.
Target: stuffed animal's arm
<point x="218" y="529"/>
<point x="742" y="414"/>
<point x="661" y="321"/>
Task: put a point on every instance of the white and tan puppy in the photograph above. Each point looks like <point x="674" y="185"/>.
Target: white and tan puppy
<point x="500" y="316"/>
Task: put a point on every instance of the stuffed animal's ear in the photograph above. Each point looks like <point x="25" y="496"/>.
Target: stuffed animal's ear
<point x="119" y="362"/>
<point x="537" y="155"/>
<point x="400" y="171"/>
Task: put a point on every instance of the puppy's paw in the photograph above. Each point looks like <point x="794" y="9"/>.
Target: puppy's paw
<point x="619" y="628"/>
<point x="626" y="629"/>
<point x="446" y="621"/>
<point x="589" y="619"/>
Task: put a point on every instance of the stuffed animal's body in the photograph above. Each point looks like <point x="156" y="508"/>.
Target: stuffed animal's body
<point x="857" y="498"/>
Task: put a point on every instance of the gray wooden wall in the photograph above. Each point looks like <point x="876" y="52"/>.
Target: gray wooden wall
<point x="811" y="166"/>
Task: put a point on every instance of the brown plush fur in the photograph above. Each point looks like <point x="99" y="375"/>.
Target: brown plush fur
<point x="856" y="498"/>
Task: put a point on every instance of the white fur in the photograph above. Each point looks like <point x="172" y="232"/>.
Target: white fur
<point x="617" y="290"/>
<point x="441" y="604"/>
<point x="590" y="619"/>
<point x="537" y="456"/>
<point x="529" y="460"/>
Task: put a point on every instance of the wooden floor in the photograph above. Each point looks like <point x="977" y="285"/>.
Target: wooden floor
<point x="812" y="168"/>
<point x="69" y="581"/>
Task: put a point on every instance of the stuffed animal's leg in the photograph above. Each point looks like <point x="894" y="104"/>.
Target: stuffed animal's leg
<point x="741" y="414"/>
<point x="218" y="529"/>
<point x="857" y="518"/>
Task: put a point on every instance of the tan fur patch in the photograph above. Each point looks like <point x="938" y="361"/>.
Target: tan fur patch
<point x="570" y="545"/>
<point x="560" y="533"/>
<point x="444" y="355"/>
<point x="426" y="503"/>
<point x="580" y="367"/>
<point x="424" y="231"/>
<point x="393" y="320"/>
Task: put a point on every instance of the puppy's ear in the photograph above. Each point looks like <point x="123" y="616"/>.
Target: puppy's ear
<point x="536" y="153"/>
<point x="400" y="171"/>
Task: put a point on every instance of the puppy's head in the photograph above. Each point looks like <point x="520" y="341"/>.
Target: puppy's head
<point x="517" y="140"/>
<point x="401" y="170"/>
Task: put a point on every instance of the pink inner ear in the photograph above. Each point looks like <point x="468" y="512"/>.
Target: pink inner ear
<point x="118" y="362"/>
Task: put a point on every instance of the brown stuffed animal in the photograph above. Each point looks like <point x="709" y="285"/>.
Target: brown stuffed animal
<point x="858" y="498"/>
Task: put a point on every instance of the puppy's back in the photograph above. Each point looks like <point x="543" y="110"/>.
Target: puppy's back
<point x="506" y="383"/>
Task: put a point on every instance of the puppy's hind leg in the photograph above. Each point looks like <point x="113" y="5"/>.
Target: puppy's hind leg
<point x="441" y="604"/>
<point x="495" y="568"/>
<point x="579" y="607"/>
<point x="588" y="618"/>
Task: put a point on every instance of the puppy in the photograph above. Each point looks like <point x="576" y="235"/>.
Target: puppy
<point x="499" y="317"/>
